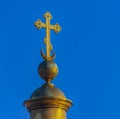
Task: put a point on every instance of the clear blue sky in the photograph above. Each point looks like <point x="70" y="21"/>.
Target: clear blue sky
<point x="87" y="48"/>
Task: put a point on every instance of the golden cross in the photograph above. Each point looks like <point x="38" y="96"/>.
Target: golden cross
<point x="48" y="27"/>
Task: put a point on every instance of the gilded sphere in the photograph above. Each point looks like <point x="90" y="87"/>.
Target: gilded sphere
<point x="48" y="70"/>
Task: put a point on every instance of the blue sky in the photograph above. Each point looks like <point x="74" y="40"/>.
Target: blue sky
<point x="87" y="48"/>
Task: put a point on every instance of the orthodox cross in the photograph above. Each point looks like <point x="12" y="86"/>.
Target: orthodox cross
<point x="48" y="27"/>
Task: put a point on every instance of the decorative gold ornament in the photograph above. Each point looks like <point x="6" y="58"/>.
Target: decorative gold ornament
<point x="39" y="24"/>
<point x="47" y="101"/>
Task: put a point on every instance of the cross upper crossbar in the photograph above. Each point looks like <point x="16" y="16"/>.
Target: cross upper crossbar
<point x="40" y="25"/>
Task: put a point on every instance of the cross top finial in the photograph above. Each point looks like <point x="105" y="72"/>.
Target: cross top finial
<point x="47" y="15"/>
<point x="39" y="24"/>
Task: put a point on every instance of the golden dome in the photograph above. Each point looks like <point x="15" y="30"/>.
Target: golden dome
<point x="47" y="91"/>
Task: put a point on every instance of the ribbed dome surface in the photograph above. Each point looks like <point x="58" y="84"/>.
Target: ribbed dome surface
<point x="47" y="91"/>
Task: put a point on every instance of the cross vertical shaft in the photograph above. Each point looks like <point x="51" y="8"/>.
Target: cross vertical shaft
<point x="48" y="17"/>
